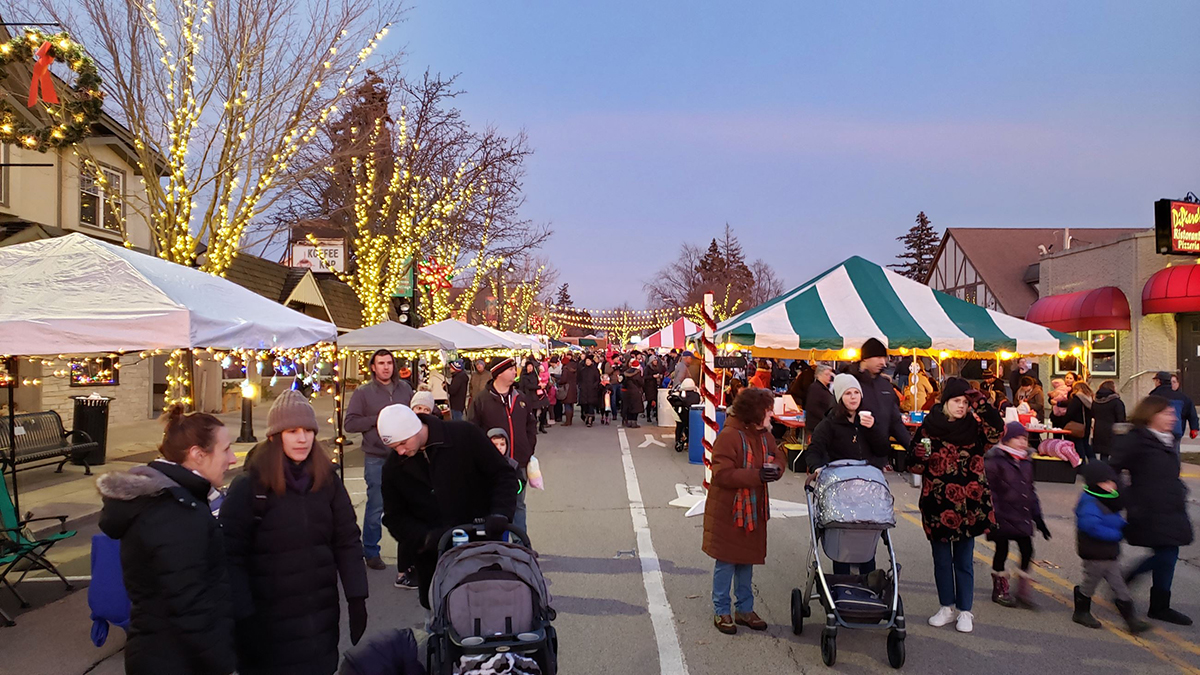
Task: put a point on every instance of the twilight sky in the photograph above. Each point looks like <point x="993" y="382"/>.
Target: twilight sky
<point x="819" y="130"/>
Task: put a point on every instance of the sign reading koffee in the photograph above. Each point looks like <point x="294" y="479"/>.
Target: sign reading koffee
<point x="1177" y="227"/>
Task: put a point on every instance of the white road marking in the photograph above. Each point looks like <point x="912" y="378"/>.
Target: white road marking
<point x="651" y="440"/>
<point x="670" y="654"/>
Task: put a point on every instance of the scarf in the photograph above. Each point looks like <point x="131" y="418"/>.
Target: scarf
<point x="1165" y="437"/>
<point x="1015" y="453"/>
<point x="297" y="477"/>
<point x="962" y="432"/>
<point x="745" y="500"/>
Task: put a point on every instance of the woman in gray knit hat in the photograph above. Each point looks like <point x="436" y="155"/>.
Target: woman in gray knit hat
<point x="290" y="534"/>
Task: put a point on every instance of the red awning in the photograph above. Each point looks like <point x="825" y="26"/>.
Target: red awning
<point x="1104" y="308"/>
<point x="1171" y="290"/>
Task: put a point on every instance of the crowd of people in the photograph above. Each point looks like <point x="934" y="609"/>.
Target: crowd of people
<point x="248" y="581"/>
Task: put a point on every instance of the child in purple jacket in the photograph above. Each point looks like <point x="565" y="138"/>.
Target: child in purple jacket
<point x="1015" y="502"/>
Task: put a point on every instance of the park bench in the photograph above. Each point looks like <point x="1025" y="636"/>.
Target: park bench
<point x="21" y="551"/>
<point x="41" y="441"/>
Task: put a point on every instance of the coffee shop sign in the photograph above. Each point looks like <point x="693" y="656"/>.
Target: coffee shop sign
<point x="1177" y="226"/>
<point x="330" y="259"/>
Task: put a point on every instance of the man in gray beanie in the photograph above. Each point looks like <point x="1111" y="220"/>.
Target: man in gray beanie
<point x="879" y="398"/>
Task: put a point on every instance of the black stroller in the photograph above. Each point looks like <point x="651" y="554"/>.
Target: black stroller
<point x="850" y="508"/>
<point x="682" y="402"/>
<point x="489" y="597"/>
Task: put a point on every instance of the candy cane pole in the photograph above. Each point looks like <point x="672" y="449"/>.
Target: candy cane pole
<point x="710" y="386"/>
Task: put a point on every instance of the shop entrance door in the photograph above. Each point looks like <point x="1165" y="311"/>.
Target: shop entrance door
<point x="1189" y="354"/>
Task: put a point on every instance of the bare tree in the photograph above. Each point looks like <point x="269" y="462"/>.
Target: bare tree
<point x="722" y="269"/>
<point x="767" y="284"/>
<point x="679" y="283"/>
<point x="221" y="96"/>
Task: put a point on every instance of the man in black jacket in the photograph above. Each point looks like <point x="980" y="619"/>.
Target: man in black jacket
<point x="439" y="475"/>
<point x="879" y="397"/>
<point x="501" y="406"/>
<point x="457" y="391"/>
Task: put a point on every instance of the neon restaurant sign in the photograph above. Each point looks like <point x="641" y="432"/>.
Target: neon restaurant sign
<point x="1177" y="227"/>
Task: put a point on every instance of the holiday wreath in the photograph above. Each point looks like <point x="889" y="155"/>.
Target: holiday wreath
<point x="72" y="119"/>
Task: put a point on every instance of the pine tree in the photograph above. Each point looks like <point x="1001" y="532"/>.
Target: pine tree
<point x="563" y="297"/>
<point x="920" y="246"/>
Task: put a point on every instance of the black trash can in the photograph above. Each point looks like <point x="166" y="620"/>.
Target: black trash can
<point x="91" y="417"/>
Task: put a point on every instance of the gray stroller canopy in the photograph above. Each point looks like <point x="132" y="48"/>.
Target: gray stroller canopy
<point x="853" y="493"/>
<point x="461" y="562"/>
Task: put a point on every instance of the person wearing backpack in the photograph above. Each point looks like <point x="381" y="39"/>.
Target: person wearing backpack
<point x="291" y="533"/>
<point x="172" y="553"/>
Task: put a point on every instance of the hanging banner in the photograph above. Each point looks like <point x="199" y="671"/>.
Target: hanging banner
<point x="1177" y="227"/>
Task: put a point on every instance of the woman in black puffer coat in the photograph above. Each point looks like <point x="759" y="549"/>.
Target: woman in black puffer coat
<point x="1108" y="410"/>
<point x="632" y="388"/>
<point x="172" y="553"/>
<point x="590" y="397"/>
<point x="1156" y="500"/>
<point x="290" y="533"/>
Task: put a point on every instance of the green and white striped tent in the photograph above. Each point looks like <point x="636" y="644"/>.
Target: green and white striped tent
<point x="856" y="300"/>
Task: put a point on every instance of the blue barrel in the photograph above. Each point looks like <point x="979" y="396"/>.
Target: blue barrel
<point x="696" y="433"/>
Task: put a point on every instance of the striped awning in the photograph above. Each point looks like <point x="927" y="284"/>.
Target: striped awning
<point x="856" y="300"/>
<point x="671" y="337"/>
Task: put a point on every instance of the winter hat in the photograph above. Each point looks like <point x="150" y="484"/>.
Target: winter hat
<point x="686" y="353"/>
<point x="843" y="383"/>
<point x="498" y="432"/>
<point x="424" y="398"/>
<point x="872" y="348"/>
<point x="688" y="384"/>
<point x="1095" y="473"/>
<point x="953" y="388"/>
<point x="1014" y="430"/>
<point x="1163" y="377"/>
<point x="397" y="423"/>
<point x="456" y="365"/>
<point x="500" y="364"/>
<point x="291" y="411"/>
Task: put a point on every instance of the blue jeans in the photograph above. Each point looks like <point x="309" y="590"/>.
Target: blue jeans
<point x="954" y="573"/>
<point x="456" y="415"/>
<point x="372" y="530"/>
<point x="1161" y="565"/>
<point x="741" y="576"/>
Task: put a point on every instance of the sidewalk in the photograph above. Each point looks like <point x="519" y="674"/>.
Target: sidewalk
<point x="73" y="494"/>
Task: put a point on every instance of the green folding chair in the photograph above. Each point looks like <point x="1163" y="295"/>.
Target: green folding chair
<point x="17" y="546"/>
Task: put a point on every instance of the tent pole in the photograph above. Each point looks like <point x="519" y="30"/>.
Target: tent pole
<point x="338" y="408"/>
<point x="12" y="433"/>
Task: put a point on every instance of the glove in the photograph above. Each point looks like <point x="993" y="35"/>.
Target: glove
<point x="495" y="525"/>
<point x="358" y="618"/>
<point x="1041" y="526"/>
<point x="1194" y="433"/>
<point x="975" y="397"/>
<point x="769" y="474"/>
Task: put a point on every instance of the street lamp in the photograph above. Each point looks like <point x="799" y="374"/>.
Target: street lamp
<point x="247" y="432"/>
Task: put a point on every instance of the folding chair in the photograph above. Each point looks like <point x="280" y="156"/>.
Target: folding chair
<point x="17" y="547"/>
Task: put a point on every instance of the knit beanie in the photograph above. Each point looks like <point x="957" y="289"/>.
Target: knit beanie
<point x="1013" y="430"/>
<point x="396" y="423"/>
<point x="500" y="364"/>
<point x="843" y="383"/>
<point x="1095" y="473"/>
<point x="872" y="348"/>
<point x="424" y="398"/>
<point x="291" y="411"/>
<point x="953" y="388"/>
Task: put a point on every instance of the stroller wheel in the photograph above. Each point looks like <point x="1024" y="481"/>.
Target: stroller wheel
<point x="895" y="649"/>
<point x="828" y="649"/>
<point x="797" y="611"/>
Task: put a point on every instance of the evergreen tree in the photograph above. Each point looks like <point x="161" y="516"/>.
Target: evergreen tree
<point x="920" y="246"/>
<point x="563" y="297"/>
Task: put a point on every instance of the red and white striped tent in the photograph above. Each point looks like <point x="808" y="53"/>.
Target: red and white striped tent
<point x="671" y="337"/>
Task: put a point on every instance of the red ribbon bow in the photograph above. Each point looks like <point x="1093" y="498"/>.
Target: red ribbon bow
<point x="41" y="77"/>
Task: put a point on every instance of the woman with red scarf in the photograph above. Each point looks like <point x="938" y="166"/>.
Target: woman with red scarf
<point x="735" y="513"/>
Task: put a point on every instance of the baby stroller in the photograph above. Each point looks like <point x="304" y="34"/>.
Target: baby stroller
<point x="850" y="508"/>
<point x="681" y="402"/>
<point x="489" y="597"/>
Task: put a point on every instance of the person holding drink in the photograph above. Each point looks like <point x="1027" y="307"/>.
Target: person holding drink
<point x="846" y="431"/>
<point x="735" y="514"/>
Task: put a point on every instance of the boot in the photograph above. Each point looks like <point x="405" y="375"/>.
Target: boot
<point x="1135" y="625"/>
<point x="1024" y="594"/>
<point x="1000" y="594"/>
<point x="570" y="417"/>
<point x="1160" y="608"/>
<point x="588" y="420"/>
<point x="1083" y="610"/>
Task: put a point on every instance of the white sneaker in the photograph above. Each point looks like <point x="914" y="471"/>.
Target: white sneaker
<point x="944" y="616"/>
<point x="966" y="622"/>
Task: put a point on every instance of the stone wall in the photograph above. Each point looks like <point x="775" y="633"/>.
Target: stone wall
<point x="131" y="398"/>
<point x="1127" y="263"/>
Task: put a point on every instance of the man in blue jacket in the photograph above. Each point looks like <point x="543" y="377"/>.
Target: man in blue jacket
<point x="1185" y="411"/>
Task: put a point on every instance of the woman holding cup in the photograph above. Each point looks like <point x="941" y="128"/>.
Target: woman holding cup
<point x="845" y="432"/>
<point x="735" y="513"/>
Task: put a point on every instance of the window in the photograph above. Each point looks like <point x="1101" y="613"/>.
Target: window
<point x="102" y="205"/>
<point x="1102" y="350"/>
<point x="99" y="372"/>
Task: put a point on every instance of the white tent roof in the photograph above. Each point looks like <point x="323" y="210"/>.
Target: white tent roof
<point x="466" y="336"/>
<point x="78" y="295"/>
<point x="525" y="341"/>
<point x="392" y="335"/>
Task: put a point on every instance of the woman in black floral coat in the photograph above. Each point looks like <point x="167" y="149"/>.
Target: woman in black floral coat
<point x="956" y="505"/>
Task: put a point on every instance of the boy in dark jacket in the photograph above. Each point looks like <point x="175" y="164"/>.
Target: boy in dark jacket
<point x="1099" y="530"/>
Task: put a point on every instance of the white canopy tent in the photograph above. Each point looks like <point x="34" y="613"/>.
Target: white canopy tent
<point x="392" y="335"/>
<point x="523" y="341"/>
<point x="78" y="295"/>
<point x="468" y="337"/>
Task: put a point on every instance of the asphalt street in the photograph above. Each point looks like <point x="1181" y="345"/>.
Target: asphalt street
<point x="632" y="587"/>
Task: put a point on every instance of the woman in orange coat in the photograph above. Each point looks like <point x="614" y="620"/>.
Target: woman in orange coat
<point x="735" y="513"/>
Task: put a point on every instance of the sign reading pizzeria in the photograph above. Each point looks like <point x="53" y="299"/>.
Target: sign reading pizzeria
<point x="1177" y="227"/>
